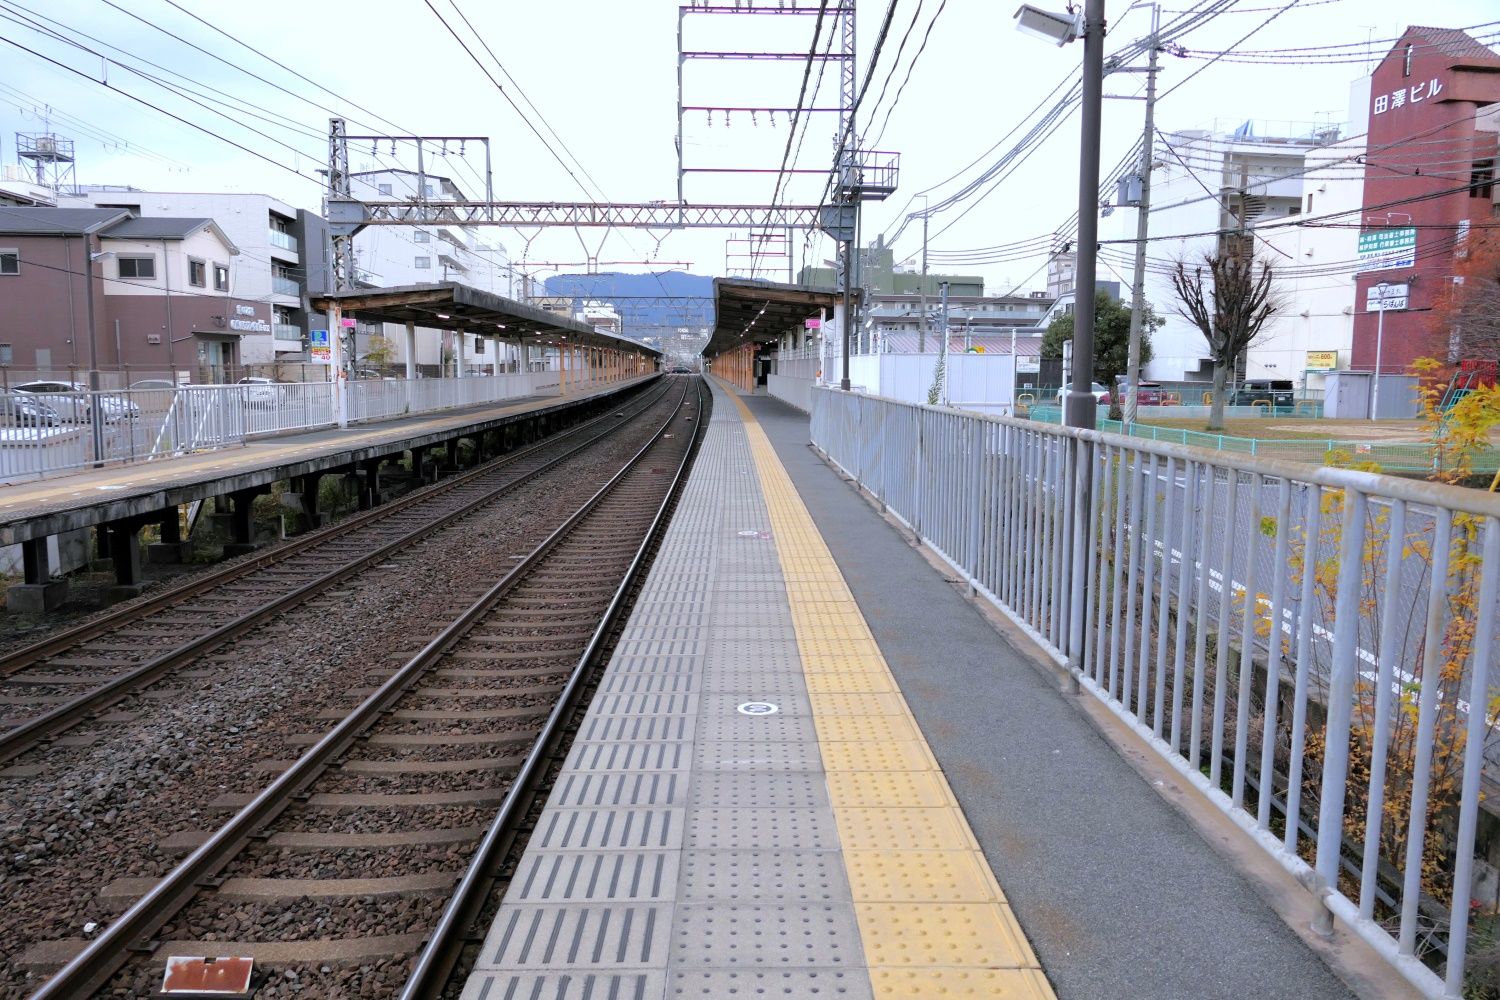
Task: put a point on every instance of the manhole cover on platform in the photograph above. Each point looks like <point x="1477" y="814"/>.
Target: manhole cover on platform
<point x="758" y="708"/>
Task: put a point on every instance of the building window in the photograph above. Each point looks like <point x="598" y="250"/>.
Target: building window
<point x="143" y="268"/>
<point x="10" y="262"/>
<point x="1309" y="204"/>
<point x="1482" y="179"/>
<point x="221" y="278"/>
<point x="424" y="262"/>
<point x="423" y="236"/>
<point x="384" y="189"/>
<point x="426" y="190"/>
<point x="197" y="273"/>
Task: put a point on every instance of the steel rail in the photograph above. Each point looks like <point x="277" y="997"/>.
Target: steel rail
<point x="28" y="734"/>
<point x="24" y="657"/>
<point x="91" y="968"/>
<point x="435" y="964"/>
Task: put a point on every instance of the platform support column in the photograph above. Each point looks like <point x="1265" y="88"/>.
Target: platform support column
<point x="306" y="489"/>
<point x="369" y="489"/>
<point x="38" y="592"/>
<point x="172" y="548"/>
<point x="242" y="521"/>
<point x="125" y="552"/>
<point x="411" y="350"/>
<point x="462" y="341"/>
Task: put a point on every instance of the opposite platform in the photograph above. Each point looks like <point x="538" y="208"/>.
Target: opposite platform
<point x="749" y="808"/>
<point x="38" y="508"/>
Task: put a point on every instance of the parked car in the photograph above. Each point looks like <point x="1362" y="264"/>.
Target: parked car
<point x="20" y="410"/>
<point x="1277" y="392"/>
<point x="147" y="384"/>
<point x="260" y="391"/>
<point x="71" y="400"/>
<point x="1147" y="393"/>
<point x="1100" y="390"/>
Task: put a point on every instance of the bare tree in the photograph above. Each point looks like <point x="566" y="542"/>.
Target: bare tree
<point x="1230" y="311"/>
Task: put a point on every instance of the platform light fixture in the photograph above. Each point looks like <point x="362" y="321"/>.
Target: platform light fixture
<point x="1059" y="29"/>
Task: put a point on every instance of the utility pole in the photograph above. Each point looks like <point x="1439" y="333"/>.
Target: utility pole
<point x="943" y="350"/>
<point x="922" y="327"/>
<point x="1080" y="408"/>
<point x="1142" y="228"/>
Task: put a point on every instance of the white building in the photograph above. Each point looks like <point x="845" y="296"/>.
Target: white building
<point x="1206" y="185"/>
<point x="601" y="316"/>
<point x="1315" y="268"/>
<point x="281" y="257"/>
<point x="395" y="256"/>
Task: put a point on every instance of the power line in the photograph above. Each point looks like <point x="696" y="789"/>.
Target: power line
<point x="896" y="62"/>
<point x="909" y="68"/>
<point x="781" y="173"/>
<point x="157" y="108"/>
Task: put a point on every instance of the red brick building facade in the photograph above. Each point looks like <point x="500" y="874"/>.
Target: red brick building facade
<point x="1428" y="169"/>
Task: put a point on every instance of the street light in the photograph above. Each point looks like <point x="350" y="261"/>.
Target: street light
<point x="1079" y="410"/>
<point x="1380" y="288"/>
<point x="1059" y="29"/>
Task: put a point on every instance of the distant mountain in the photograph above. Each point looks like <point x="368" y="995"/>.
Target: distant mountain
<point x="647" y="303"/>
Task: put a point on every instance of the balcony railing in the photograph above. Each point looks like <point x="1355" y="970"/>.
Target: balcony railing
<point x="285" y="286"/>
<point x="285" y="241"/>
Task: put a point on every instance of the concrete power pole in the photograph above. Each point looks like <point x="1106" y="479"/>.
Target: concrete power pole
<point x="1142" y="228"/>
<point x="922" y="327"/>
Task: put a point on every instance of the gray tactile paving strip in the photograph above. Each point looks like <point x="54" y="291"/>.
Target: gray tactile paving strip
<point x="689" y="849"/>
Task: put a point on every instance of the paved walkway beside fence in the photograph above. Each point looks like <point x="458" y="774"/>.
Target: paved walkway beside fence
<point x="1118" y="893"/>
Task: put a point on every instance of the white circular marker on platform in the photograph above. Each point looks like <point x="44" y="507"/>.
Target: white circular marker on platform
<point x="758" y="708"/>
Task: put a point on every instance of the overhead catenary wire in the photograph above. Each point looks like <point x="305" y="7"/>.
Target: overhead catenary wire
<point x="910" y="67"/>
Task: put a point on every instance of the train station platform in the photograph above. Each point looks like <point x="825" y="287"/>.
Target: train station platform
<point x="133" y="495"/>
<point x="814" y="769"/>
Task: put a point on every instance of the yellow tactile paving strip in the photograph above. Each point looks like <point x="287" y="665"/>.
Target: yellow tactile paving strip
<point x="932" y="919"/>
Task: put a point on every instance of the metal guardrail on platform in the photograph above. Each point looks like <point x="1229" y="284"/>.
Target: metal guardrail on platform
<point x="45" y="434"/>
<point x="1304" y="644"/>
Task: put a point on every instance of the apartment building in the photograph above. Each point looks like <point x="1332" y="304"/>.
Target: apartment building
<point x="98" y="288"/>
<point x="1210" y="187"/>
<point x="281" y="259"/>
<point x="395" y="256"/>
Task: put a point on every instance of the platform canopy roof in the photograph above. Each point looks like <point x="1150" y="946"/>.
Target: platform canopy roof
<point x="761" y="311"/>
<point x="450" y="305"/>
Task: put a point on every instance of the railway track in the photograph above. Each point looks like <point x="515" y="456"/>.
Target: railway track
<point x="72" y="677"/>
<point x="409" y="781"/>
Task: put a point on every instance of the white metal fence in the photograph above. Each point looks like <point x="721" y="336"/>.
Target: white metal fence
<point x="1303" y="643"/>
<point x="48" y="433"/>
<point x="791" y="390"/>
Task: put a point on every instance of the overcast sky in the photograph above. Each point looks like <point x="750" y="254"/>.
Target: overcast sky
<point x="603" y="74"/>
